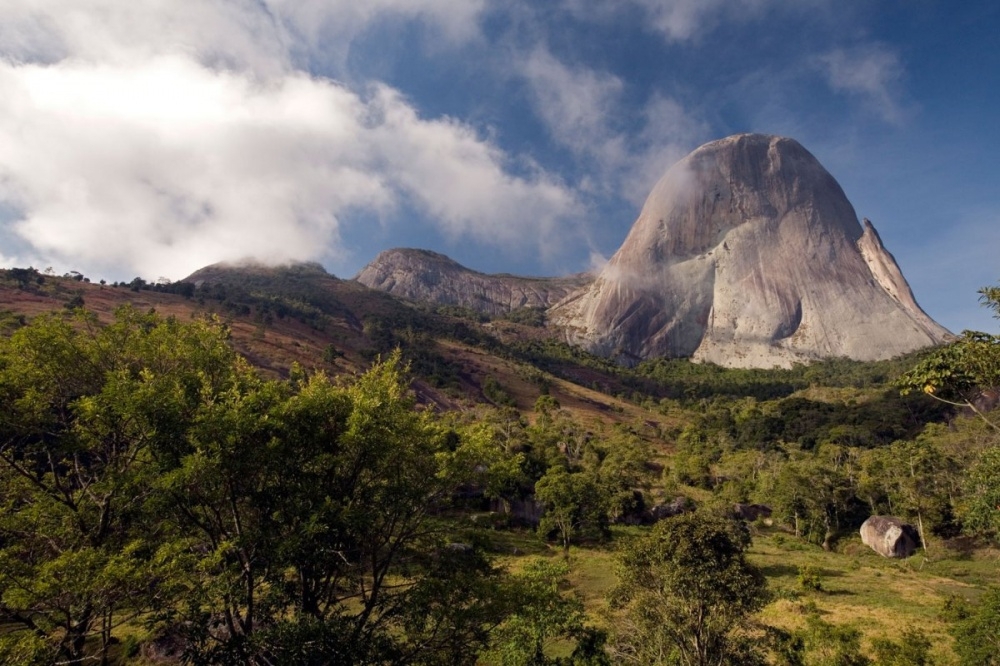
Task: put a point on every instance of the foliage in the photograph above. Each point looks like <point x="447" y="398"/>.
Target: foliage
<point x="982" y="486"/>
<point x="686" y="594"/>
<point x="913" y="649"/>
<point x="544" y="616"/>
<point x="977" y="634"/>
<point x="829" y="644"/>
<point x="573" y="504"/>
<point x="86" y="411"/>
<point x="957" y="372"/>
<point x="148" y="474"/>
<point x="527" y="316"/>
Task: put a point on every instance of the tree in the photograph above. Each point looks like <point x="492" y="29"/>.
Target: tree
<point x="147" y="473"/>
<point x="313" y="505"/>
<point x="85" y="411"/>
<point x="813" y="494"/>
<point x="686" y="594"/>
<point x="957" y="372"/>
<point x="913" y="649"/>
<point x="982" y="490"/>
<point x="573" y="503"/>
<point x="543" y="615"/>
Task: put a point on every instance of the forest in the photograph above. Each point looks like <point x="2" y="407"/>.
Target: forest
<point x="164" y="501"/>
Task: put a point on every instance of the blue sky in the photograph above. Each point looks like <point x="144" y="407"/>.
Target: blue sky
<point x="513" y="135"/>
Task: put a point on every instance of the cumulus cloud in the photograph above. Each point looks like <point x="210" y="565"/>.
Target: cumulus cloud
<point x="167" y="165"/>
<point x="871" y="72"/>
<point x="159" y="137"/>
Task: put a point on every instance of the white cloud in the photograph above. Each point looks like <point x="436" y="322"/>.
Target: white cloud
<point x="157" y="137"/>
<point x="260" y="35"/>
<point x="166" y="165"/>
<point x="871" y="72"/>
<point x="583" y="110"/>
<point x="459" y="179"/>
<point x="680" y="20"/>
<point x="576" y="104"/>
<point x="684" y="20"/>
<point x="338" y="20"/>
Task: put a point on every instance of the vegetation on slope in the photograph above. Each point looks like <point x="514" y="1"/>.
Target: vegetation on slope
<point x="156" y="488"/>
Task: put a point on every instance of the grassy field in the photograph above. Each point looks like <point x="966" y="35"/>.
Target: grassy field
<point x="880" y="597"/>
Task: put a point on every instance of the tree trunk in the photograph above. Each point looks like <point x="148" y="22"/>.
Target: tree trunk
<point x="923" y="537"/>
<point x="828" y="535"/>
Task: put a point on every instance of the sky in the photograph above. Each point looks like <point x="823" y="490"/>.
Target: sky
<point x="152" y="138"/>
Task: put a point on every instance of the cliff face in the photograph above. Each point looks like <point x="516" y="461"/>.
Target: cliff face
<point x="747" y="253"/>
<point x="422" y="275"/>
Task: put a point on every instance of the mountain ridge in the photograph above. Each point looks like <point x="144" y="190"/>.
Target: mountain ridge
<point x="424" y="275"/>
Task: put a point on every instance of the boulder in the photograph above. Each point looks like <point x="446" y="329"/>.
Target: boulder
<point x="889" y="536"/>
<point x="169" y="645"/>
<point x="673" y="508"/>
<point x="751" y="512"/>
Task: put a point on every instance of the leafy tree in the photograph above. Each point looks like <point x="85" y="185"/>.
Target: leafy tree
<point x="686" y="594"/>
<point x="957" y="372"/>
<point x="86" y="410"/>
<point x="814" y="494"/>
<point x="314" y="506"/>
<point x="147" y="473"/>
<point x="544" y="615"/>
<point x="573" y="502"/>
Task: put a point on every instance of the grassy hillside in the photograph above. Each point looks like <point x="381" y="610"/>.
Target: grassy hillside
<point x="825" y="446"/>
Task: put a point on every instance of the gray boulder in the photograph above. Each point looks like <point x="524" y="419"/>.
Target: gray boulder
<point x="890" y="537"/>
<point x="751" y="512"/>
<point x="675" y="507"/>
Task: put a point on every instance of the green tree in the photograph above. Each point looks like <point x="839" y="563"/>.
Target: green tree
<point x="543" y="615"/>
<point x="813" y="494"/>
<point x="574" y="504"/>
<point x="86" y="411"/>
<point x="686" y="595"/>
<point x="314" y="505"/>
<point x="957" y="372"/>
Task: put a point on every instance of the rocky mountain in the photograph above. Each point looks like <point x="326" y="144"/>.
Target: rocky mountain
<point x="747" y="253"/>
<point x="422" y="275"/>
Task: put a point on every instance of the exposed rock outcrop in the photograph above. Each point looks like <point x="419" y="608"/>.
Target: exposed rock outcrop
<point x="422" y="275"/>
<point x="747" y="253"/>
<point x="890" y="537"/>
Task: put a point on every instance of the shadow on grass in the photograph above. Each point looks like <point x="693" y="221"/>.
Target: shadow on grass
<point x="777" y="570"/>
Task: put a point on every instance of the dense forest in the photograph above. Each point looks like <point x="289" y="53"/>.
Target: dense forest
<point x="165" y="501"/>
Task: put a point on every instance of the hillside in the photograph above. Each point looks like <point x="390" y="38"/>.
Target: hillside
<point x="819" y="444"/>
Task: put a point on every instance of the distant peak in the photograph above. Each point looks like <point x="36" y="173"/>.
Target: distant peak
<point x="254" y="267"/>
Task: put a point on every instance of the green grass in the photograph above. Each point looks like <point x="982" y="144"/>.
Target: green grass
<point x="879" y="596"/>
